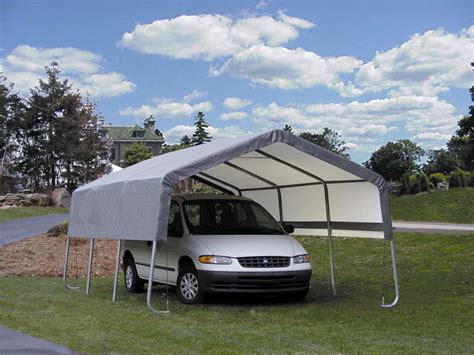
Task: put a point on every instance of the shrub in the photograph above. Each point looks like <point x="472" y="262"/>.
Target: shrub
<point x="405" y="188"/>
<point x="415" y="183"/>
<point x="57" y="231"/>
<point x="436" y="178"/>
<point x="471" y="180"/>
<point x="459" y="178"/>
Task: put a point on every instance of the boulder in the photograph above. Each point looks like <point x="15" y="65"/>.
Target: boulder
<point x="10" y="199"/>
<point x="25" y="203"/>
<point x="61" y="198"/>
<point x="38" y="199"/>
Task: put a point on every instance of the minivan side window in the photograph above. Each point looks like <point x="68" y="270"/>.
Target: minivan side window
<point x="175" y="227"/>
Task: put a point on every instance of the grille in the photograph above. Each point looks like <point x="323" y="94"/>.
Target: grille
<point x="264" y="261"/>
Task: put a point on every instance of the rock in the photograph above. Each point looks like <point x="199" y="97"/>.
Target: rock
<point x="25" y="203"/>
<point x="61" y="198"/>
<point x="11" y="199"/>
<point x="38" y="199"/>
<point x="7" y="206"/>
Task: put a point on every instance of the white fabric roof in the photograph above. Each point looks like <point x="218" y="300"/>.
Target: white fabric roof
<point x="291" y="177"/>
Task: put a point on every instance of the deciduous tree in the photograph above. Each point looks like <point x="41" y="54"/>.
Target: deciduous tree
<point x="328" y="139"/>
<point x="395" y="159"/>
<point x="136" y="153"/>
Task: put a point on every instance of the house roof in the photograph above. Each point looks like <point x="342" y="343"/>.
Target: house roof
<point x="125" y="133"/>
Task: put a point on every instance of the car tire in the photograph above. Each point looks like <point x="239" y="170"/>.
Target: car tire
<point x="188" y="288"/>
<point x="133" y="283"/>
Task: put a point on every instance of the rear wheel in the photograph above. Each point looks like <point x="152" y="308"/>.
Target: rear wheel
<point x="187" y="287"/>
<point x="133" y="283"/>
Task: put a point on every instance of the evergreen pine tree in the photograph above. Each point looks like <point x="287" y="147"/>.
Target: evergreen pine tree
<point x="185" y="140"/>
<point x="200" y="134"/>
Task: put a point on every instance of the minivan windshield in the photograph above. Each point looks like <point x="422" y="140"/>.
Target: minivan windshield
<point x="216" y="216"/>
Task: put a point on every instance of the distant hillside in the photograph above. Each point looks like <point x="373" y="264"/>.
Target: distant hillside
<point x="453" y="206"/>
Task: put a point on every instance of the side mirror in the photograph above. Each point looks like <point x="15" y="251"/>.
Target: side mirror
<point x="288" y="228"/>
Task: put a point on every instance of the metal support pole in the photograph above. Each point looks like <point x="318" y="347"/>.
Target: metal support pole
<point x="117" y="264"/>
<point x="395" y="279"/>
<point x="329" y="227"/>
<point x="66" y="260"/>
<point x="150" y="281"/>
<point x="89" y="267"/>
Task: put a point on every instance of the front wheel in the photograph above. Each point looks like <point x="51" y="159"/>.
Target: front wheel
<point x="133" y="283"/>
<point x="188" y="288"/>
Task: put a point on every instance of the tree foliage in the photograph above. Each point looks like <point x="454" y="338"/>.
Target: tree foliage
<point x="200" y="135"/>
<point x="11" y="107"/>
<point x="462" y="143"/>
<point x="395" y="159"/>
<point x="441" y="161"/>
<point x="58" y="137"/>
<point x="328" y="139"/>
<point x="185" y="141"/>
<point x="136" y="153"/>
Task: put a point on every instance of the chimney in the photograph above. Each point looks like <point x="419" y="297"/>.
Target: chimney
<point x="150" y="124"/>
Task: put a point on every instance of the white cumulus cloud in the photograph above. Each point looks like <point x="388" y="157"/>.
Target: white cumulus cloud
<point x="236" y="115"/>
<point x="25" y="64"/>
<point x="426" y="118"/>
<point x="426" y="65"/>
<point x="285" y="68"/>
<point x="209" y="36"/>
<point x="236" y="103"/>
<point x="167" y="108"/>
<point x="196" y="94"/>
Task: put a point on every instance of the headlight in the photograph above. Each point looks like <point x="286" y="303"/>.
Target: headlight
<point x="300" y="259"/>
<point x="215" y="259"/>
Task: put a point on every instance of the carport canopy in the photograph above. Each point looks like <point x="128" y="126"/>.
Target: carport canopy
<point x="298" y="182"/>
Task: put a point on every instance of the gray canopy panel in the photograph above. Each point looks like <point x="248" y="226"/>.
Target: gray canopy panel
<point x="298" y="182"/>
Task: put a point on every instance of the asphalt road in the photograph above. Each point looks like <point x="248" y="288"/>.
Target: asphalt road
<point x="425" y="227"/>
<point x="12" y="342"/>
<point x="23" y="228"/>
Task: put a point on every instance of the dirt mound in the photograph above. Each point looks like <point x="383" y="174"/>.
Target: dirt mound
<point x="44" y="256"/>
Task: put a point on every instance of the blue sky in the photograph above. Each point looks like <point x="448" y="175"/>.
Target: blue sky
<point x="374" y="71"/>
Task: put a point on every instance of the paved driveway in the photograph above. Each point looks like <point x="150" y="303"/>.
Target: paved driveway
<point x="28" y="227"/>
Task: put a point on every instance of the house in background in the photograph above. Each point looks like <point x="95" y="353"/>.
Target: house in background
<point x="122" y="136"/>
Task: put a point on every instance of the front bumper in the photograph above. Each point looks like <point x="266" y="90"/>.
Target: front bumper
<point x="254" y="282"/>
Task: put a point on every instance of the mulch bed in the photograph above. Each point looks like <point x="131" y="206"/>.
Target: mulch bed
<point x="44" y="256"/>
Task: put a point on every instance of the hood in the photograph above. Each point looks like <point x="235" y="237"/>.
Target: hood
<point x="251" y="245"/>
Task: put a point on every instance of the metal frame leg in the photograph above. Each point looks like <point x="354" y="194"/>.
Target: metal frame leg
<point x="329" y="228"/>
<point x="66" y="260"/>
<point x="331" y="264"/>
<point x="89" y="267"/>
<point x="117" y="264"/>
<point x="395" y="279"/>
<point x="150" y="280"/>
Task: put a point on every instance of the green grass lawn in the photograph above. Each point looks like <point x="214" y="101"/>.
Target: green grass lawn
<point x="24" y="212"/>
<point x="453" y="206"/>
<point x="435" y="313"/>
